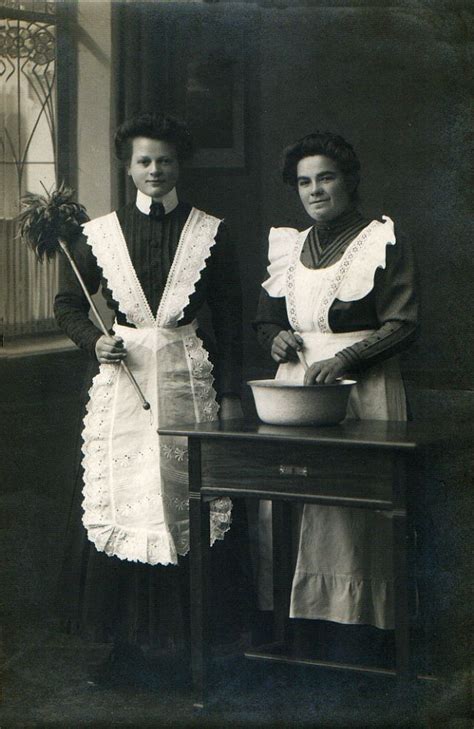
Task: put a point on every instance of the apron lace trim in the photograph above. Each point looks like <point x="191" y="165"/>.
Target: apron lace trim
<point x="341" y="270"/>
<point x="351" y="278"/>
<point x="205" y="405"/>
<point x="194" y="247"/>
<point x="108" y="244"/>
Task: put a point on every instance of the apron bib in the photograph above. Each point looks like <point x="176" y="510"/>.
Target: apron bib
<point x="136" y="482"/>
<point x="379" y="393"/>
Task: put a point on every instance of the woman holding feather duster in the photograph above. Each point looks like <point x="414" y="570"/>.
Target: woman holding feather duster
<point x="157" y="261"/>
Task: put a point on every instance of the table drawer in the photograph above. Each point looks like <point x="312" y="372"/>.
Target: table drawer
<point x="325" y="471"/>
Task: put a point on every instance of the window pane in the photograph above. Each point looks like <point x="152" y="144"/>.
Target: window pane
<point x="27" y="162"/>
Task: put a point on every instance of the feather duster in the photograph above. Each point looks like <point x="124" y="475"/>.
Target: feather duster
<point x="51" y="222"/>
<point x="46" y="219"/>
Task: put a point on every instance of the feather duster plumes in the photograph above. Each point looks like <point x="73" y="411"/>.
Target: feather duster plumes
<point x="46" y="218"/>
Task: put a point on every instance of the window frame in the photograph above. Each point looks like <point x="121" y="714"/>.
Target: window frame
<point x="65" y="21"/>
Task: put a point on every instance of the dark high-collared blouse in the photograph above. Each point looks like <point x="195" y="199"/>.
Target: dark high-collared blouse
<point x="152" y="245"/>
<point x="390" y="309"/>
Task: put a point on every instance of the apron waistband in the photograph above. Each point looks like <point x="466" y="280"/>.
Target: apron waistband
<point x="184" y="330"/>
<point x="360" y="334"/>
<point x="320" y="345"/>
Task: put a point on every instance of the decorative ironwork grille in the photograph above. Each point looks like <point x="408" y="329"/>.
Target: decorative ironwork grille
<point x="36" y="6"/>
<point x="28" y="158"/>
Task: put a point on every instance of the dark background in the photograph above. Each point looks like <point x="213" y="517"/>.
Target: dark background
<point x="394" y="81"/>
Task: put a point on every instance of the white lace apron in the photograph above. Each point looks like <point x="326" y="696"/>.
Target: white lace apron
<point x="344" y="564"/>
<point x="135" y="482"/>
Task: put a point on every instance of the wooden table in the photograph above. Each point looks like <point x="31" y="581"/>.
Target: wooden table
<point x="364" y="464"/>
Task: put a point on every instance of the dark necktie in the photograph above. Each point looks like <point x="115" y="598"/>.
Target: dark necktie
<point x="325" y="236"/>
<point x="157" y="211"/>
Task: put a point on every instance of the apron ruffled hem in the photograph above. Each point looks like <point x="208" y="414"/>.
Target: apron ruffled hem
<point x="342" y="599"/>
<point x="128" y="545"/>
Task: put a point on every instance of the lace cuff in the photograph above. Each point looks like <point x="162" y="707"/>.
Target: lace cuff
<point x="280" y="246"/>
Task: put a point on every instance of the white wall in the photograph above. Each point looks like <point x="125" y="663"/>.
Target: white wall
<point x="94" y="106"/>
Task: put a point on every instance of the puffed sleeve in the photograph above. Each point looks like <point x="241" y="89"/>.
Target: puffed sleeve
<point x="271" y="315"/>
<point x="396" y="307"/>
<point x="71" y="307"/>
<point x="280" y="245"/>
<point x="225" y="303"/>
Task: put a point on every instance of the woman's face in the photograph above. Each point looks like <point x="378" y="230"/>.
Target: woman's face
<point x="153" y="166"/>
<point x="322" y="188"/>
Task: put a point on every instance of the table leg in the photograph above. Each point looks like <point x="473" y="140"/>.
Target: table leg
<point x="400" y="573"/>
<point x="282" y="564"/>
<point x="199" y="575"/>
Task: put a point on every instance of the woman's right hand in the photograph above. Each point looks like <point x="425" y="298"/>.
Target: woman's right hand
<point x="285" y="346"/>
<point x="110" y="349"/>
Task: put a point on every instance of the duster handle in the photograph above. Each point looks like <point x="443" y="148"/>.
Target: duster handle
<point x="302" y="359"/>
<point x="64" y="247"/>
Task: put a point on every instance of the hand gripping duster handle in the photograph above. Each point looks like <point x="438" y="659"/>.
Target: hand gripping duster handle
<point x="64" y="247"/>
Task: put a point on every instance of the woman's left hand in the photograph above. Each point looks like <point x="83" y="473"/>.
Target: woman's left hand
<point x="231" y="408"/>
<point x="324" y="372"/>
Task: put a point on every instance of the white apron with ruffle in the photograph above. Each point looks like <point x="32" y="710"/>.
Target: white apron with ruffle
<point x="136" y="482"/>
<point x="344" y="565"/>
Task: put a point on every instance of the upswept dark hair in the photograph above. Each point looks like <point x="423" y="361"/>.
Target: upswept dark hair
<point x="163" y="127"/>
<point x="327" y="144"/>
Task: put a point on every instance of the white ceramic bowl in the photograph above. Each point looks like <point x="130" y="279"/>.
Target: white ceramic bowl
<point x="286" y="403"/>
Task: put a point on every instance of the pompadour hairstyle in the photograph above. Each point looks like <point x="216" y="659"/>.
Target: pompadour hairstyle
<point x="327" y="144"/>
<point x="163" y="127"/>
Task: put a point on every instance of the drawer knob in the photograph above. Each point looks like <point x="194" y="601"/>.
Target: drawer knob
<point x="292" y="470"/>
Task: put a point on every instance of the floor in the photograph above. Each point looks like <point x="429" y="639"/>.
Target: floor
<point x="47" y="684"/>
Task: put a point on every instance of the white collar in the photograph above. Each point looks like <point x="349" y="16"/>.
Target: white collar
<point x="169" y="201"/>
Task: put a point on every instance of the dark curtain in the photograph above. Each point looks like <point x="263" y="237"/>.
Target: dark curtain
<point x="140" y="47"/>
<point x="189" y="60"/>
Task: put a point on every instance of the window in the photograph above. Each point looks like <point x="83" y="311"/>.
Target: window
<point x="29" y="160"/>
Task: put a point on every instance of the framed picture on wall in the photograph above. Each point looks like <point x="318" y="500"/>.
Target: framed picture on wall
<point x="213" y="104"/>
<point x="193" y="63"/>
<point x="207" y="80"/>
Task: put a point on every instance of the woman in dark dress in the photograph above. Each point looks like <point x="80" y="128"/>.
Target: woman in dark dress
<point x="343" y="291"/>
<point x="157" y="261"/>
